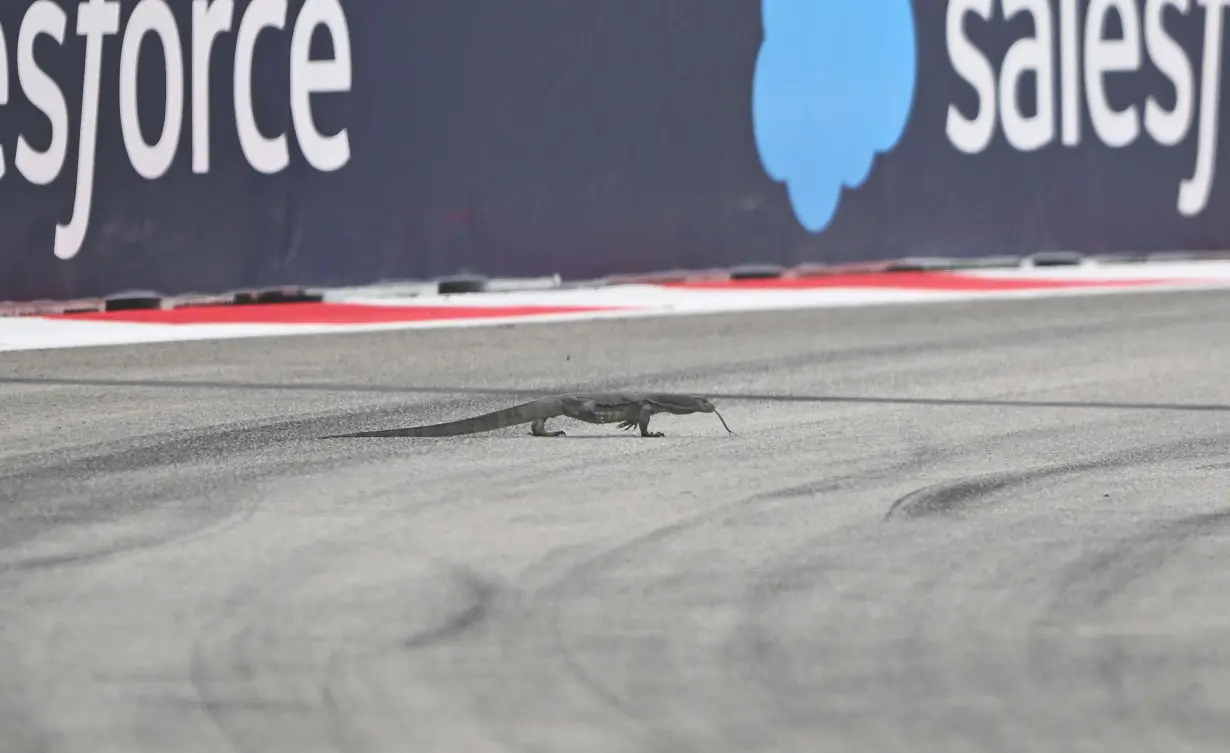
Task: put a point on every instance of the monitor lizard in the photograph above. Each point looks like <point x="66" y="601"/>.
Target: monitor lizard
<point x="629" y="409"/>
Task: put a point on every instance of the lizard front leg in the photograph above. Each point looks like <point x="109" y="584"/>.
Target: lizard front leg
<point x="643" y="423"/>
<point x="538" y="427"/>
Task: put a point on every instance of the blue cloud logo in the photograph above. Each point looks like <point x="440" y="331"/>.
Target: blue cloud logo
<point x="833" y="88"/>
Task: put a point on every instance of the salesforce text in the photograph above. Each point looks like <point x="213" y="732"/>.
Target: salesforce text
<point x="98" y="19"/>
<point x="1102" y="56"/>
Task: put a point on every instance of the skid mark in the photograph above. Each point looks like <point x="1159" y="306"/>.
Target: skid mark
<point x="1076" y="629"/>
<point x="579" y="580"/>
<point x="342" y="665"/>
<point x="481" y="595"/>
<point x="1066" y="634"/>
<point x="278" y="638"/>
<point x="256" y="661"/>
<point x="1093" y="581"/>
<point x="953" y="497"/>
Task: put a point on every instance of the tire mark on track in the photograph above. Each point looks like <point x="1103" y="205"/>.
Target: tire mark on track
<point x="803" y="568"/>
<point x="473" y="612"/>
<point x="800" y="700"/>
<point x="190" y="524"/>
<point x="217" y="443"/>
<point x="275" y="707"/>
<point x="24" y="489"/>
<point x="222" y="524"/>
<point x="221" y="664"/>
<point x="1090" y="585"/>
<point x="578" y="579"/>
<point x="55" y="492"/>
<point x="951" y="497"/>
<point x="1094" y="580"/>
<point x="482" y="595"/>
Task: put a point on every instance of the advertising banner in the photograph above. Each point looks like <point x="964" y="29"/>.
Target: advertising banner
<point x="207" y="145"/>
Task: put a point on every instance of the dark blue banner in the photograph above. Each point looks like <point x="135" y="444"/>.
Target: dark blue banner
<point x="210" y="145"/>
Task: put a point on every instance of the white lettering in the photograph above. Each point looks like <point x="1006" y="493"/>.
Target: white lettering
<point x="1115" y="128"/>
<point x="1069" y="67"/>
<point x="268" y="155"/>
<point x="96" y="19"/>
<point x="308" y="76"/>
<point x="209" y="21"/>
<point x="1168" y="128"/>
<point x="1194" y="192"/>
<point x="1091" y="67"/>
<point x="970" y="136"/>
<point x="1028" y="55"/>
<point x="152" y="161"/>
<point x="42" y="167"/>
<point x="4" y="87"/>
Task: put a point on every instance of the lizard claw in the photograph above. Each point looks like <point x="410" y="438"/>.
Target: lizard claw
<point x="655" y="434"/>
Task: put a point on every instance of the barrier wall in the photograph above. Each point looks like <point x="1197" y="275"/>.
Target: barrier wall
<point x="523" y="137"/>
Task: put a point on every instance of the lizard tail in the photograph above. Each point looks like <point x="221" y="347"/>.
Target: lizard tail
<point x="719" y="415"/>
<point x="517" y="414"/>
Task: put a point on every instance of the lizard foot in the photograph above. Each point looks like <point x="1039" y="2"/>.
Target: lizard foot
<point x="654" y="434"/>
<point x="549" y="434"/>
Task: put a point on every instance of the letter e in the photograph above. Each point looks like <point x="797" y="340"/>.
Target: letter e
<point x="325" y="153"/>
<point x="41" y="168"/>
<point x="970" y="136"/>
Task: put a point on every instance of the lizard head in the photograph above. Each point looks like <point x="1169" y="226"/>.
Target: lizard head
<point x="683" y="404"/>
<point x="690" y="404"/>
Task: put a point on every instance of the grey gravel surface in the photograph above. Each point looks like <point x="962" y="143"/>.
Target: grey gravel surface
<point x="975" y="527"/>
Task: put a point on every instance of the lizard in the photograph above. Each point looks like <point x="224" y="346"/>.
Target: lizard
<point x="629" y="409"/>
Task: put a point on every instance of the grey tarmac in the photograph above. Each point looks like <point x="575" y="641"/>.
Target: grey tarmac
<point x="996" y="526"/>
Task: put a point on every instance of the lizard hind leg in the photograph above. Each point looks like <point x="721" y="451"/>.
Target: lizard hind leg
<point x="538" y="428"/>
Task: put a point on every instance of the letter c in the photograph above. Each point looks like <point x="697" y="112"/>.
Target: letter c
<point x="267" y="155"/>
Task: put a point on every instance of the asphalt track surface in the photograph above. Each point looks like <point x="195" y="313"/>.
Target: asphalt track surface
<point x="964" y="527"/>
